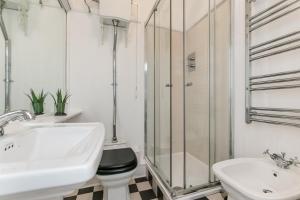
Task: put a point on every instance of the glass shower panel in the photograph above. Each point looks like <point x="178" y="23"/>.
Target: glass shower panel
<point x="188" y="126"/>
<point x="2" y="77"/>
<point x="177" y="95"/>
<point x="163" y="90"/>
<point x="150" y="88"/>
<point x="197" y="92"/>
<point x="222" y="80"/>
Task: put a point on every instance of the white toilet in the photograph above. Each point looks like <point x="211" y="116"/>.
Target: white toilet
<point x="116" y="168"/>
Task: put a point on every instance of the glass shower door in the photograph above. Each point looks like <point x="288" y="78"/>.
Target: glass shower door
<point x="163" y="90"/>
<point x="197" y="92"/>
<point x="150" y="90"/>
<point x="188" y="91"/>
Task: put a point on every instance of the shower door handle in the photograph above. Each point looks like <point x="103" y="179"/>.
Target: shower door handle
<point x="169" y="85"/>
<point x="189" y="84"/>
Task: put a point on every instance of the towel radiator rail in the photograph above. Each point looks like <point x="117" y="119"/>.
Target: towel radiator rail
<point x="273" y="81"/>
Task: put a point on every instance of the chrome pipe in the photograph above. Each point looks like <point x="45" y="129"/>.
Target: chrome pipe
<point x="154" y="9"/>
<point x="184" y="79"/>
<point x="248" y="64"/>
<point x="2" y="24"/>
<point x="274" y="40"/>
<point x="276" y="109"/>
<point x="115" y="25"/>
<point x="292" y="117"/>
<point x="275" y="122"/>
<point x="7" y="79"/>
<point x="266" y="10"/>
<point x="273" y="12"/>
<point x="275" y="53"/>
<point x="274" y="19"/>
<point x="87" y="5"/>
<point x="276" y="87"/>
<point x="65" y="5"/>
<point x="276" y="81"/>
<point x="275" y="46"/>
<point x="275" y="74"/>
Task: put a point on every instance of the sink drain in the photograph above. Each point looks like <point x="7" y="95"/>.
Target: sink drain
<point x="266" y="191"/>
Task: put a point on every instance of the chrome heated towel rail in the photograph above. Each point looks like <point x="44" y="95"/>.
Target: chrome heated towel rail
<point x="272" y="81"/>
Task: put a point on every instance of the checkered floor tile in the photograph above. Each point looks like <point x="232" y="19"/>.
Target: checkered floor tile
<point x="139" y="188"/>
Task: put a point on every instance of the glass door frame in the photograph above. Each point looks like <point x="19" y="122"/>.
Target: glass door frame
<point x="212" y="133"/>
<point x="167" y="181"/>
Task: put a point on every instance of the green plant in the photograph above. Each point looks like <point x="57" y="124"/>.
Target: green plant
<point x="37" y="101"/>
<point x="60" y="102"/>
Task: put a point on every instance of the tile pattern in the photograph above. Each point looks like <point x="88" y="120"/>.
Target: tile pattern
<point x="139" y="188"/>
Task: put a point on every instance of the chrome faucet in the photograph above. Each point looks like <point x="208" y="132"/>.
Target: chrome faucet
<point x="12" y="116"/>
<point x="281" y="161"/>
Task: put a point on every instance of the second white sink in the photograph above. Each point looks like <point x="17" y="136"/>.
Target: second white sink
<point x="258" y="179"/>
<point x="49" y="161"/>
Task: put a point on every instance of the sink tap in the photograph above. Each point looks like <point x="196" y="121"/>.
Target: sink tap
<point x="281" y="161"/>
<point x="12" y="116"/>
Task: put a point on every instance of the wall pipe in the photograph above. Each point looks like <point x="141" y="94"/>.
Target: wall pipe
<point x="115" y="25"/>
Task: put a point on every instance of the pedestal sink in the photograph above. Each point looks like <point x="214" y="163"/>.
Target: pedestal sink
<point x="46" y="162"/>
<point x="258" y="179"/>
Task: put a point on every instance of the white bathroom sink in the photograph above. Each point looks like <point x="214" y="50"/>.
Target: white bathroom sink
<point x="258" y="179"/>
<point x="49" y="161"/>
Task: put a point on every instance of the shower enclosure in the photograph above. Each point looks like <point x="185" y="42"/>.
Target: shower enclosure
<point x="187" y="84"/>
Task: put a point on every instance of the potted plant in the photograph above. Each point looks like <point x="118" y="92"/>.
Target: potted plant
<point x="60" y="102"/>
<point x="37" y="101"/>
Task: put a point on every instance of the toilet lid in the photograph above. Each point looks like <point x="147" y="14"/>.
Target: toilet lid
<point x="116" y="161"/>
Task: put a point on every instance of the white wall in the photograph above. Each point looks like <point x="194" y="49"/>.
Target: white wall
<point x="90" y="74"/>
<point x="253" y="139"/>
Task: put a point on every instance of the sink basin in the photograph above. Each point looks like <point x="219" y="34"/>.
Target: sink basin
<point x="258" y="179"/>
<point x="45" y="162"/>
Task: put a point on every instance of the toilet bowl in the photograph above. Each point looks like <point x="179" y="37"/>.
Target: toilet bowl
<point x="116" y="168"/>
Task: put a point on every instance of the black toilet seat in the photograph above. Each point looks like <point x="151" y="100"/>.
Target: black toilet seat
<point x="117" y="161"/>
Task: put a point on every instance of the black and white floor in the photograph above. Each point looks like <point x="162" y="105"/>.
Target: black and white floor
<point x="139" y="188"/>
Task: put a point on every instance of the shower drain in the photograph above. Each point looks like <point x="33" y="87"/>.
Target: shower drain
<point x="266" y="191"/>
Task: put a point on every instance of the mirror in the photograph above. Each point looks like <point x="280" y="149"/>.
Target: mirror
<point x="38" y="52"/>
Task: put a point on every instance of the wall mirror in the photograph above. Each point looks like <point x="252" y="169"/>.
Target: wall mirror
<point x="37" y="33"/>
